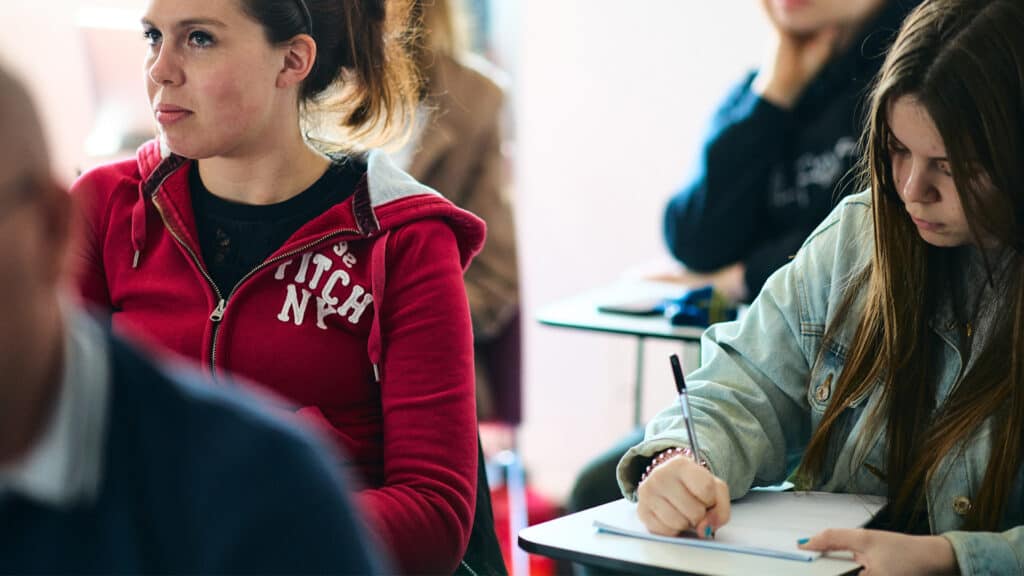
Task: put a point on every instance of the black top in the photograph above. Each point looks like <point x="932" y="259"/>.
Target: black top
<point x="235" y="238"/>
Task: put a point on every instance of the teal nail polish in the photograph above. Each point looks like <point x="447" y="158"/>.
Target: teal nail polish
<point x="708" y="532"/>
<point x="803" y="541"/>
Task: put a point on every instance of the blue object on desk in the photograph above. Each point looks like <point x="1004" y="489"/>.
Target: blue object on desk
<point x="699" y="307"/>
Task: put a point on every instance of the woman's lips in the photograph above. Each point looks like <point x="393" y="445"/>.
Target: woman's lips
<point x="790" y="5"/>
<point x="167" y="115"/>
<point x="926" y="225"/>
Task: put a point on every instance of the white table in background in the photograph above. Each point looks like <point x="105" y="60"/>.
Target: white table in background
<point x="580" y="313"/>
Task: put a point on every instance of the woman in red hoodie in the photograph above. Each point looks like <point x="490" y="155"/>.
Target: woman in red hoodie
<point x="335" y="280"/>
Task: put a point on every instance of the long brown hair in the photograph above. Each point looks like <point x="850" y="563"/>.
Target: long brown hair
<point x="963" y="62"/>
<point x="363" y="72"/>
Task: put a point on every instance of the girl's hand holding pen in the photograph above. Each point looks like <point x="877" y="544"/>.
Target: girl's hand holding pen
<point x="680" y="495"/>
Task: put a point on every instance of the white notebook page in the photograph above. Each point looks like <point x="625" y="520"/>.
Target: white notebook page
<point x="764" y="523"/>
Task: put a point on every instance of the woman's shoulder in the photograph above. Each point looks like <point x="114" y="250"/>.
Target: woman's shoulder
<point x="852" y="215"/>
<point x="470" y="79"/>
<point x="104" y="179"/>
<point x="401" y="203"/>
<point x="833" y="258"/>
<point x="96" y="191"/>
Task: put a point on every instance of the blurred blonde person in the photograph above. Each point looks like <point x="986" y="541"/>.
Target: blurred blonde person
<point x="455" y="148"/>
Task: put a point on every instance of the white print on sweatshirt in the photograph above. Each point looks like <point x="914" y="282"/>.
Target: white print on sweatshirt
<point x="318" y="272"/>
<point x="813" y="170"/>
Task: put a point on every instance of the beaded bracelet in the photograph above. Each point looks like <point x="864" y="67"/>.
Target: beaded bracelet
<point x="665" y="456"/>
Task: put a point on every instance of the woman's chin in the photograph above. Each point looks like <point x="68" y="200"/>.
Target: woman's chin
<point x="942" y="240"/>
<point x="171" y="144"/>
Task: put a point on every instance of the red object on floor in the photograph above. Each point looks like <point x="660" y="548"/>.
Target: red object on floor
<point x="538" y="509"/>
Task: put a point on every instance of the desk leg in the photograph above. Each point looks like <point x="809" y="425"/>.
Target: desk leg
<point x="638" y="385"/>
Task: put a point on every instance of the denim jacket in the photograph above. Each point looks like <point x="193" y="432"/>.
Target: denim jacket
<point x="765" y="382"/>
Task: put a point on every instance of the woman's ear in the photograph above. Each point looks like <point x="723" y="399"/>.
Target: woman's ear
<point x="299" y="57"/>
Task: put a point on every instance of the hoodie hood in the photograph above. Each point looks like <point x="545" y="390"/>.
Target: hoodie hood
<point x="386" y="199"/>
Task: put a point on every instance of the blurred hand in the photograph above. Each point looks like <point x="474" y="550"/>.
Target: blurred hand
<point x="795" y="60"/>
<point x="682" y="495"/>
<point x="881" y="552"/>
<point x="731" y="281"/>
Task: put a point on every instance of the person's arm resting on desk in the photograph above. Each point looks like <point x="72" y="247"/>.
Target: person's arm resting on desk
<point x="712" y="221"/>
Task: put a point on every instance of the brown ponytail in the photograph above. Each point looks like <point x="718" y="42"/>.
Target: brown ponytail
<point x="363" y="74"/>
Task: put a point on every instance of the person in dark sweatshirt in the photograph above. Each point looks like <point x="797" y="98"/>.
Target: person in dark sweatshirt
<point x="112" y="464"/>
<point x="774" y="161"/>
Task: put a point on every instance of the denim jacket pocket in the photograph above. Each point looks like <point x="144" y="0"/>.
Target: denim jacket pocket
<point x="825" y="374"/>
<point x="824" y="377"/>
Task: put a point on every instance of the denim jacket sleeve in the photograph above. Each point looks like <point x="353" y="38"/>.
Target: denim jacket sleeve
<point x="979" y="553"/>
<point x="750" y="395"/>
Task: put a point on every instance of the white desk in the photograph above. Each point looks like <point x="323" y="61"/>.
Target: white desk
<point x="581" y="313"/>
<point x="575" y="539"/>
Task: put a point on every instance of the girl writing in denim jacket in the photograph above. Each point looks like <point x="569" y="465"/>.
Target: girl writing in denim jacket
<point x="888" y="357"/>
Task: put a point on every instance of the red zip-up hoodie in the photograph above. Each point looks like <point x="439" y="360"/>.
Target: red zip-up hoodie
<point x="360" y="319"/>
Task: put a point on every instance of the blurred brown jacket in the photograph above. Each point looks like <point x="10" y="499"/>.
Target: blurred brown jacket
<point x="459" y="154"/>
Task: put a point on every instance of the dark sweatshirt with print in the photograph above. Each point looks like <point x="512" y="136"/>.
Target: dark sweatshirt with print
<point x="766" y="176"/>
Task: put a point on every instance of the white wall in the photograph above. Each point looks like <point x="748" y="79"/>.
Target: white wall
<point x="612" y="97"/>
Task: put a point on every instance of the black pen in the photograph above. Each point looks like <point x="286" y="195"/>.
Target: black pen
<point x="684" y="403"/>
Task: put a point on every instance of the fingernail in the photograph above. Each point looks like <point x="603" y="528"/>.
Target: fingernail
<point x="708" y="532"/>
<point x="803" y="541"/>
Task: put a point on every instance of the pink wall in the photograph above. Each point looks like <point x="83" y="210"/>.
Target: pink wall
<point x="612" y="98"/>
<point x="45" y="47"/>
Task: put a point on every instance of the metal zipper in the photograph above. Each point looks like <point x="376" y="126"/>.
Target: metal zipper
<point x="222" y="301"/>
<point x="218" y="312"/>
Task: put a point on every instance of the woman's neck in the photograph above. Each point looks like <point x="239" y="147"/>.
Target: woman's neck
<point x="269" y="175"/>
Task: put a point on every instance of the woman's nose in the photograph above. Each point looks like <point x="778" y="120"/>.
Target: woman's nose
<point x="163" y="68"/>
<point x="913" y="183"/>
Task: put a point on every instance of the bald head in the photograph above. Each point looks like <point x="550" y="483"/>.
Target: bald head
<point x="23" y="151"/>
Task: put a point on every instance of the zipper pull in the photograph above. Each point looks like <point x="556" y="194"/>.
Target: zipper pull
<point x="218" y="312"/>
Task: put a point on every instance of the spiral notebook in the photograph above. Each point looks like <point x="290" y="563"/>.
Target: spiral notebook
<point x="763" y="523"/>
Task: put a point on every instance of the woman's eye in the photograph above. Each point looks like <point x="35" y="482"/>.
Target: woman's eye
<point x="896" y="148"/>
<point x="200" y="39"/>
<point x="944" y="167"/>
<point x="152" y="36"/>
